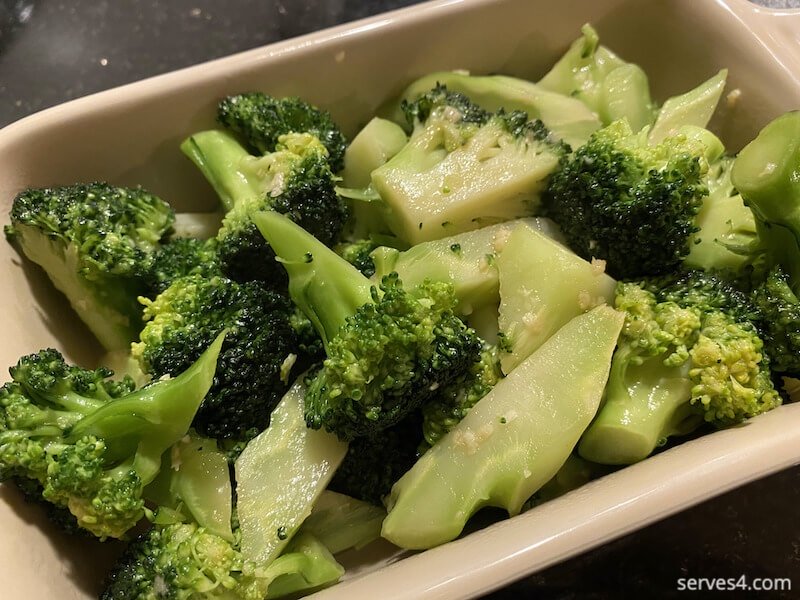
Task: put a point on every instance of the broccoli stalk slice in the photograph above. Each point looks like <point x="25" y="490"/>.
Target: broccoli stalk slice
<point x="543" y="285"/>
<point x="195" y="479"/>
<point x="605" y="83"/>
<point x="456" y="175"/>
<point x="269" y="510"/>
<point x="340" y="522"/>
<point x="694" y="108"/>
<point x="326" y="287"/>
<point x="513" y="441"/>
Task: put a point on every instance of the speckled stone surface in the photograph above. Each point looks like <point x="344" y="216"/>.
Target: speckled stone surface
<point x="53" y="51"/>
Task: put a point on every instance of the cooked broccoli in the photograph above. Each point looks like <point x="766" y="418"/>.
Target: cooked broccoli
<point x="630" y="203"/>
<point x="689" y="353"/>
<point x="185" y="561"/>
<point x="463" y="168"/>
<point x="294" y="179"/>
<point x="254" y="366"/>
<point x="91" y="443"/>
<point x="357" y="253"/>
<point x="180" y="257"/>
<point x="453" y="402"/>
<point x="96" y="242"/>
<point x="375" y="462"/>
<point x="726" y="230"/>
<point x="779" y="310"/>
<point x="261" y="120"/>
<point x="766" y="173"/>
<point x="609" y="86"/>
<point x="387" y="349"/>
<point x="566" y="117"/>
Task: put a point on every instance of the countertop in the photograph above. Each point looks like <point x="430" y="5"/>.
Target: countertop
<point x="53" y="51"/>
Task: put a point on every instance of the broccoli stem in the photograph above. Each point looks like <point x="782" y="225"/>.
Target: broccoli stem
<point x="322" y="284"/>
<point x="219" y="157"/>
<point x="645" y="404"/>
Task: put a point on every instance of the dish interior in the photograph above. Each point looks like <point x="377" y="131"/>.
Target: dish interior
<point x="131" y="136"/>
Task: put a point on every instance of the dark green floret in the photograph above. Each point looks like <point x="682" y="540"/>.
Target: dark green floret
<point x="181" y="257"/>
<point x="779" y="309"/>
<point x="261" y="120"/>
<point x="688" y="354"/>
<point x="451" y="403"/>
<point x="357" y="253"/>
<point x="294" y="179"/>
<point x="420" y="109"/>
<point x="630" y="203"/>
<point x="374" y="463"/>
<point x="388" y="349"/>
<point x="257" y="358"/>
<point x="92" y="444"/>
<point x="96" y="243"/>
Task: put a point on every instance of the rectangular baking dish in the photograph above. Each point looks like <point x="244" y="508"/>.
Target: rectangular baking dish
<point x="130" y="135"/>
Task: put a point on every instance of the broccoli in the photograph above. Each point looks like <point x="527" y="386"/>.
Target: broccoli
<point x="453" y="402"/>
<point x="185" y="560"/>
<point x="373" y="463"/>
<point x="256" y="360"/>
<point x="689" y="354"/>
<point x="766" y="174"/>
<point x="357" y="253"/>
<point x="609" y="86"/>
<point x="566" y="117"/>
<point x="632" y="204"/>
<point x="93" y="444"/>
<point x="779" y="309"/>
<point x="387" y="348"/>
<point x="463" y="168"/>
<point x="261" y="120"/>
<point x="294" y="179"/>
<point x="178" y="258"/>
<point x="96" y="242"/>
<point x="726" y="231"/>
<point x="513" y="441"/>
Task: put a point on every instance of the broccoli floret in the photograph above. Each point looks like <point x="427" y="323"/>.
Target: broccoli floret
<point x="689" y="353"/>
<point x="185" y="561"/>
<point x="374" y="463"/>
<point x="181" y="257"/>
<point x="388" y="348"/>
<point x="630" y="203"/>
<point x="357" y="253"/>
<point x="453" y="402"/>
<point x="96" y="242"/>
<point x="93" y="444"/>
<point x="294" y="179"/>
<point x="261" y="120"/>
<point x="254" y="366"/>
<point x="463" y="168"/>
<point x="779" y="309"/>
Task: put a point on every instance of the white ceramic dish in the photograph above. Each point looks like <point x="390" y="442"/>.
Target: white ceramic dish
<point x="130" y="135"/>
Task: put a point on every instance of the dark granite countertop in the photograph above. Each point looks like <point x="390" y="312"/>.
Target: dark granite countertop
<point x="52" y="51"/>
